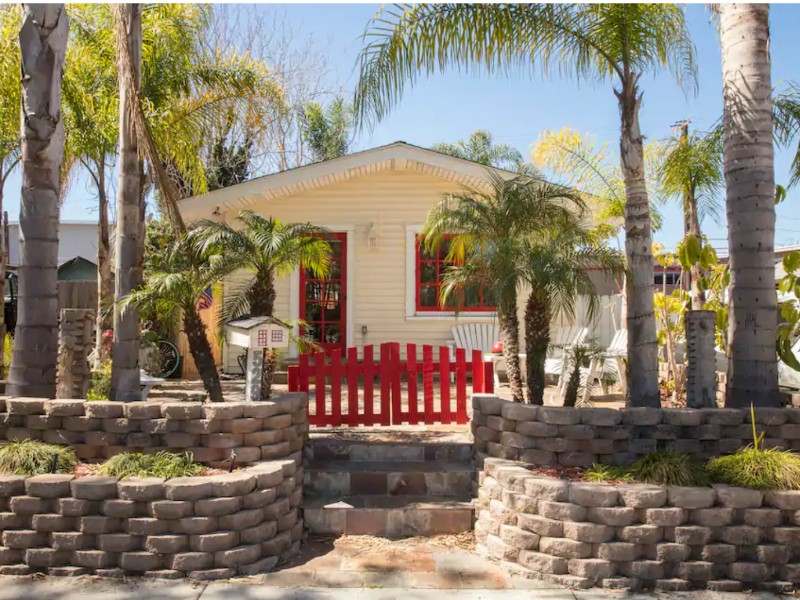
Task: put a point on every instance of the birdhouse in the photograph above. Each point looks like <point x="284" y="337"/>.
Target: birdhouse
<point x="258" y="333"/>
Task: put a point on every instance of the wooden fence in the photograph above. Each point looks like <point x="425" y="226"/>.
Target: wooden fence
<point x="323" y="376"/>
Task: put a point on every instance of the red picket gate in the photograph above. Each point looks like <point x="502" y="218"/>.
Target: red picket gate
<point x="327" y="373"/>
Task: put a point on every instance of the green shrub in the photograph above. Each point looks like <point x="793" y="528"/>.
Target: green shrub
<point x="669" y="468"/>
<point x="100" y="386"/>
<point x="757" y="468"/>
<point x="32" y="457"/>
<point x="606" y="473"/>
<point x="161" y="464"/>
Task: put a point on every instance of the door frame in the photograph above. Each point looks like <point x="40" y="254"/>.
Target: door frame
<point x="349" y="229"/>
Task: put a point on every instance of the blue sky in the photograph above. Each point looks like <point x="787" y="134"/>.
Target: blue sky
<point x="448" y="107"/>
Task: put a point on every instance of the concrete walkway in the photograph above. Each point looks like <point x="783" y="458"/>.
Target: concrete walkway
<point x="85" y="588"/>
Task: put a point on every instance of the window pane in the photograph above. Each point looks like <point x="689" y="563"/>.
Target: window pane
<point x="333" y="292"/>
<point x="333" y="333"/>
<point x="333" y="311"/>
<point x="313" y="290"/>
<point x="424" y="254"/>
<point x="313" y="332"/>
<point x="472" y="297"/>
<point x="428" y="297"/>
<point x="336" y="248"/>
<point x="313" y="311"/>
<point x="444" y="248"/>
<point x="427" y="272"/>
<point x="335" y="271"/>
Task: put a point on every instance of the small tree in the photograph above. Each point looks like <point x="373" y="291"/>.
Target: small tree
<point x="177" y="281"/>
<point x="327" y="131"/>
<point x="487" y="230"/>
<point x="479" y="147"/>
<point x="265" y="248"/>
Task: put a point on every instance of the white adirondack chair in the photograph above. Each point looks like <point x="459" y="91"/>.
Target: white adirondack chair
<point x="475" y="336"/>
<point x="610" y="362"/>
<point x="787" y="376"/>
<point x="564" y="338"/>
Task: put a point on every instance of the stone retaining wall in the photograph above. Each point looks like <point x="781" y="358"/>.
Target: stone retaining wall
<point x="580" y="437"/>
<point x="212" y="527"/>
<point x="248" y="432"/>
<point x="638" y="536"/>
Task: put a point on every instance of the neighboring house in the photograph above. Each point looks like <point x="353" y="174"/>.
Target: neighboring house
<point x="77" y="269"/>
<point x="383" y="287"/>
<point x="75" y="239"/>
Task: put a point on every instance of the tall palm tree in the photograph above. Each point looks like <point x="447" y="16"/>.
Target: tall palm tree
<point x="184" y="87"/>
<point x="178" y="280"/>
<point x="265" y="248"/>
<point x="10" y="19"/>
<point x="43" y="45"/>
<point x="125" y="376"/>
<point x="480" y="147"/>
<point x="556" y="266"/>
<point x="327" y="131"/>
<point x="612" y="42"/>
<point x="750" y="200"/>
<point x="691" y="170"/>
<point x="485" y="230"/>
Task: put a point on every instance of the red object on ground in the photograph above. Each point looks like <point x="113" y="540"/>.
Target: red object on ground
<point x="497" y="348"/>
<point x="326" y="373"/>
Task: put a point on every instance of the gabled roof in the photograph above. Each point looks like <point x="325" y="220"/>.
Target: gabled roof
<point x="395" y="156"/>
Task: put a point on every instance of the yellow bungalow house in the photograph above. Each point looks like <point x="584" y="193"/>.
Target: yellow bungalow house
<point x="381" y="287"/>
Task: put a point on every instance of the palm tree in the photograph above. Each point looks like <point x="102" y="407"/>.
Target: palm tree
<point x="125" y="376"/>
<point x="265" y="248"/>
<point x="750" y="199"/>
<point x="43" y="45"/>
<point x="485" y="230"/>
<point x="184" y="89"/>
<point x="178" y="280"/>
<point x="327" y="131"/>
<point x="612" y="42"/>
<point x="479" y="147"/>
<point x="691" y="170"/>
<point x="556" y="267"/>
<point x="10" y="19"/>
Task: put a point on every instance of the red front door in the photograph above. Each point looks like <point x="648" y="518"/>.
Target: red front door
<point x="323" y="302"/>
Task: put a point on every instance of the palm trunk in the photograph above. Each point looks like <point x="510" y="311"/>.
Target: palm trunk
<point x="203" y="357"/>
<point x="261" y="297"/>
<point x="691" y="226"/>
<point x="43" y="43"/>
<point x="105" y="283"/>
<point x="3" y="266"/>
<point x="642" y="370"/>
<point x="537" y="341"/>
<point x="125" y="380"/>
<point x="750" y="198"/>
<point x="509" y="334"/>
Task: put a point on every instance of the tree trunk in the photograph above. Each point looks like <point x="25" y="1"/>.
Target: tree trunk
<point x="537" y="341"/>
<point x="105" y="283"/>
<point x="43" y="43"/>
<point x="261" y="297"/>
<point x="750" y="199"/>
<point x="642" y="370"/>
<point x="691" y="226"/>
<point x="509" y="335"/>
<point x="3" y="266"/>
<point x="203" y="357"/>
<point x="125" y="381"/>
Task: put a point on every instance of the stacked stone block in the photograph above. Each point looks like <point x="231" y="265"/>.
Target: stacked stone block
<point x="205" y="528"/>
<point x="635" y="536"/>
<point x="581" y="437"/>
<point x="239" y="432"/>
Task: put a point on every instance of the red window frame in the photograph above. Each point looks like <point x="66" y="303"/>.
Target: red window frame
<point x="440" y="263"/>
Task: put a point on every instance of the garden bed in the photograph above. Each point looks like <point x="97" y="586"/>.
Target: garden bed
<point x="633" y="536"/>
<point x="205" y="527"/>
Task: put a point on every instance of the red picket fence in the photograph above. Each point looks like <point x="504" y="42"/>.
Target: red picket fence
<point x="383" y="402"/>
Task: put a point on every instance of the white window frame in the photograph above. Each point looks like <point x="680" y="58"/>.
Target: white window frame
<point x="412" y="230"/>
